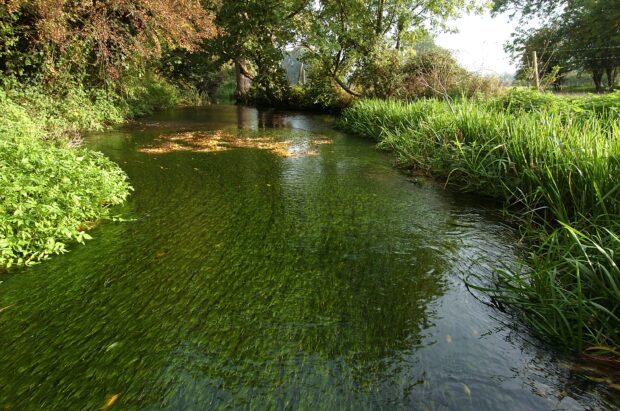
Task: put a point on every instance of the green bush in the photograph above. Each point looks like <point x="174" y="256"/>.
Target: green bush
<point x="148" y="93"/>
<point x="436" y="73"/>
<point x="50" y="193"/>
<point x="58" y="115"/>
<point x="225" y="91"/>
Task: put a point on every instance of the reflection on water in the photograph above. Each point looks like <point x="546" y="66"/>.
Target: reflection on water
<point x="249" y="280"/>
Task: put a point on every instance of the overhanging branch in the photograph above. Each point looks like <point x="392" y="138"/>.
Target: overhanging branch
<point x="344" y="86"/>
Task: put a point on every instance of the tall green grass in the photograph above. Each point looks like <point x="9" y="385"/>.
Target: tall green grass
<point x="602" y="106"/>
<point x="558" y="173"/>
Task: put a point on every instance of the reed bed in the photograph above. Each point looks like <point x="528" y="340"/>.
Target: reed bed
<point x="557" y="172"/>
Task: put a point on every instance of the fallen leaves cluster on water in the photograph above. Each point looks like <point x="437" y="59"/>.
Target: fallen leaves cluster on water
<point x="207" y="142"/>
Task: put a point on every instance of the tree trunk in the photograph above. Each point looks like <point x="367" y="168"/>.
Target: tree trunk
<point x="243" y="82"/>
<point x="345" y="87"/>
<point x="301" y="78"/>
<point x="611" y="77"/>
<point x="379" y="23"/>
<point x="597" y="77"/>
<point x="400" y="27"/>
<point x="558" y="82"/>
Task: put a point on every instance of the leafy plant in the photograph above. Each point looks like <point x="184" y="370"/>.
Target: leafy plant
<point x="50" y="194"/>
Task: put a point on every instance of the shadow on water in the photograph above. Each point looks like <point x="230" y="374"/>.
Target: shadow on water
<point x="248" y="280"/>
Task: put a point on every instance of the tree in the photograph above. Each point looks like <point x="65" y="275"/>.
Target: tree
<point x="343" y="38"/>
<point x="529" y="8"/>
<point x="592" y="28"/>
<point x="548" y="43"/>
<point x="101" y="37"/>
<point x="579" y="34"/>
<point x="253" y="35"/>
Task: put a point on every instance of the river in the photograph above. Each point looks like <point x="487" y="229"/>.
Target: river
<point x="244" y="278"/>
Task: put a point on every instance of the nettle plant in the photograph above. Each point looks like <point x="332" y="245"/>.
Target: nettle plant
<point x="49" y="192"/>
<point x="49" y="196"/>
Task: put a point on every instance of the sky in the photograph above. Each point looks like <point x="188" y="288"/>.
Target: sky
<point x="479" y="42"/>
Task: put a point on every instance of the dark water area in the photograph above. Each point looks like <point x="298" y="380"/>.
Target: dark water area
<point x="247" y="280"/>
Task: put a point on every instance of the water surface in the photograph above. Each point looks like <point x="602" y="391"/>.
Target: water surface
<point x="247" y="280"/>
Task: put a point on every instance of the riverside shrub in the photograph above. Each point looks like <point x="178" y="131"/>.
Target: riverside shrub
<point x="51" y="193"/>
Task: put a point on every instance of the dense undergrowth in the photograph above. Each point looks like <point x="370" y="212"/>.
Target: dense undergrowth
<point x="50" y="190"/>
<point x="555" y="162"/>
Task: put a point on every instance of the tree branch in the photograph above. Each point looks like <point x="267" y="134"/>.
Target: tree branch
<point x="344" y="86"/>
<point x="244" y="71"/>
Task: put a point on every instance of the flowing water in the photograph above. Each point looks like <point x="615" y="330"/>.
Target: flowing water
<point x="244" y="279"/>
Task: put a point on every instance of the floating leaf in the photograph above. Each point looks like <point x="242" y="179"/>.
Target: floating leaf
<point x="466" y="390"/>
<point x="110" y="402"/>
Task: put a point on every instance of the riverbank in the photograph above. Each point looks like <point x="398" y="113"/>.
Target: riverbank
<point x="52" y="190"/>
<point x="555" y="163"/>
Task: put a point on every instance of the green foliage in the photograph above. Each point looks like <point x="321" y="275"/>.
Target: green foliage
<point x="320" y="92"/>
<point x="270" y="85"/>
<point x="606" y="106"/>
<point x="353" y="39"/>
<point x="200" y="70"/>
<point x="381" y="73"/>
<point x="579" y="35"/>
<point x="148" y="93"/>
<point x="226" y="90"/>
<point x="49" y="192"/>
<point x="32" y="111"/>
<point x="254" y="36"/>
<point x="357" y="47"/>
<point x="557" y="174"/>
<point x="428" y="72"/>
<point x="434" y="72"/>
<point x="50" y="195"/>
<point x="16" y="55"/>
<point x="547" y="42"/>
<point x="96" y="41"/>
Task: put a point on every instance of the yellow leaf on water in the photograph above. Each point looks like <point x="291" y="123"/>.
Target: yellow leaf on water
<point x="110" y="402"/>
<point x="466" y="390"/>
<point x="449" y="339"/>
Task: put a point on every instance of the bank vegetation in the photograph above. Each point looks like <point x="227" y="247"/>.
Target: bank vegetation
<point x="555" y="164"/>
